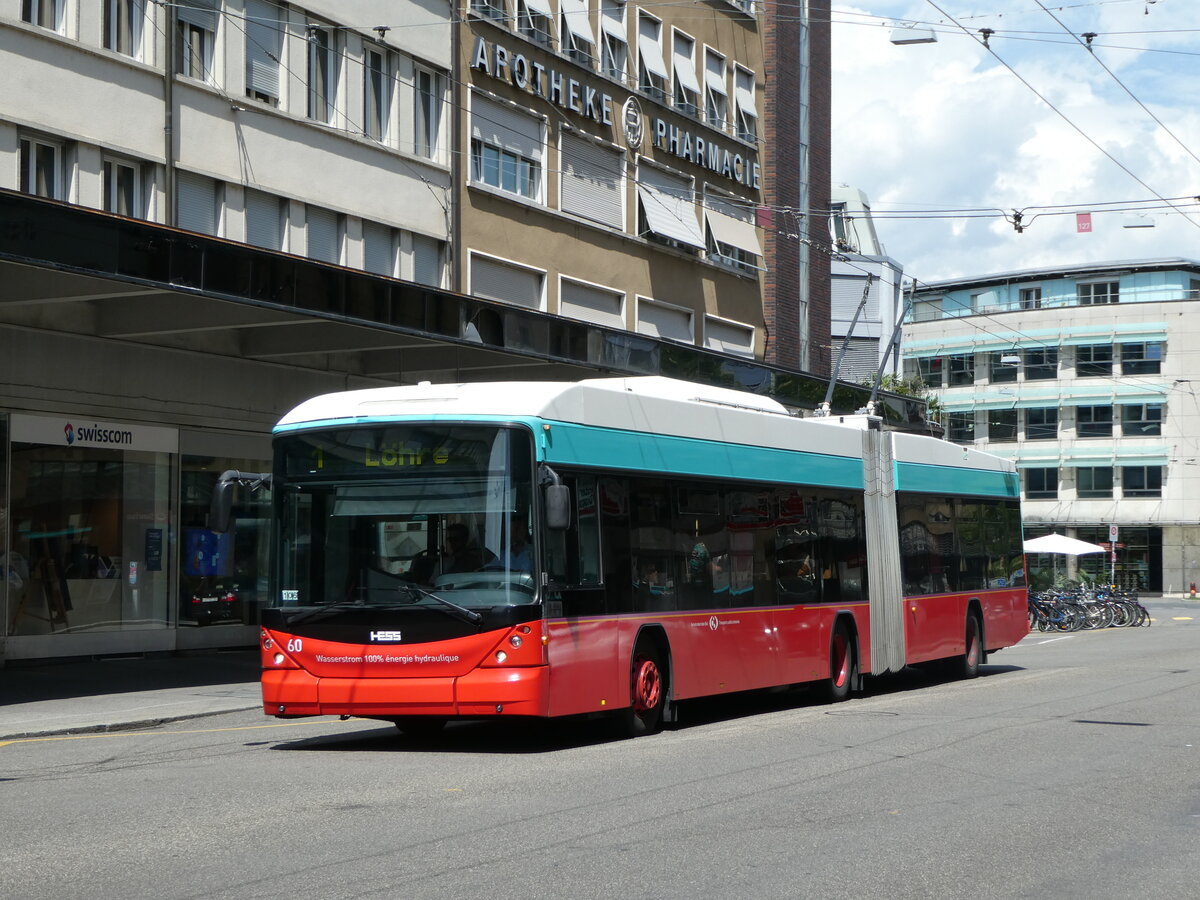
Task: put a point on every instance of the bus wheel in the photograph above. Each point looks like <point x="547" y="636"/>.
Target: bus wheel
<point x="420" y="726"/>
<point x="647" y="691"/>
<point x="968" y="664"/>
<point x="842" y="664"/>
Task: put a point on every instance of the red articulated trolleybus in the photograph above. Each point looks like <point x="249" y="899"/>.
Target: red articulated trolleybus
<point x="616" y="545"/>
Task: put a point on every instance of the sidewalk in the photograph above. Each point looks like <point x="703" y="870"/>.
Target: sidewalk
<point x="119" y="694"/>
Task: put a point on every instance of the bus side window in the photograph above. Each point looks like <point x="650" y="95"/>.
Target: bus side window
<point x="573" y="555"/>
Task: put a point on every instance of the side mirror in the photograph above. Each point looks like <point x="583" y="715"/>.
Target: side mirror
<point x="558" y="507"/>
<point x="220" y="510"/>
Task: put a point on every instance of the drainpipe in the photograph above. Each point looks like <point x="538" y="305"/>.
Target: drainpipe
<point x="169" y="115"/>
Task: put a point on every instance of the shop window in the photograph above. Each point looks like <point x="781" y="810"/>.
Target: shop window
<point x="90" y="522"/>
<point x="1141" y="359"/>
<point x="1142" y="420"/>
<point x="1141" y="481"/>
<point x="222" y="577"/>
<point x="1094" y="482"/>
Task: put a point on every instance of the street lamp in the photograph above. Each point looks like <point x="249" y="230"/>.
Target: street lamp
<point x="911" y="34"/>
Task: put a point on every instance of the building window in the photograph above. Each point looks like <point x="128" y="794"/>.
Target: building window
<point x="122" y="188"/>
<point x="930" y="368"/>
<point x="495" y="279"/>
<point x="197" y="205"/>
<point x="652" y="71"/>
<point x="1041" y="365"/>
<point x="1002" y="424"/>
<point x="533" y="21"/>
<point x="123" y="26"/>
<point x="614" y="49"/>
<point x="429" y="88"/>
<point x="506" y="149"/>
<point x="490" y="9"/>
<point x="746" y="119"/>
<point x="265" y="220"/>
<point x="1142" y="420"/>
<point x="1000" y="371"/>
<point x="324" y="234"/>
<point x="665" y="320"/>
<point x="716" y="94"/>
<point x="377" y="93"/>
<point x="960" y="427"/>
<point x="1093" y="361"/>
<point x="1041" y="484"/>
<point x="41" y="168"/>
<point x="686" y="96"/>
<point x="589" y="303"/>
<point x="667" y="210"/>
<point x="428" y="260"/>
<point x="323" y="58"/>
<point x="1141" y="481"/>
<point x="1094" y="421"/>
<point x="1041" y="424"/>
<point x="264" y="51"/>
<point x="578" y="39"/>
<point x="196" y="36"/>
<point x="1141" y="359"/>
<point x="379" y="249"/>
<point x="732" y="338"/>
<point x="732" y="238"/>
<point x="44" y="13"/>
<point x="962" y="369"/>
<point x="1094" y="482"/>
<point x="1094" y="293"/>
<point x="1031" y="298"/>
<point x="592" y="183"/>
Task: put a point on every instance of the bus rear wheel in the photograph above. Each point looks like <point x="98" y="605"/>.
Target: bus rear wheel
<point x="843" y="664"/>
<point x="647" y="691"/>
<point x="972" y="658"/>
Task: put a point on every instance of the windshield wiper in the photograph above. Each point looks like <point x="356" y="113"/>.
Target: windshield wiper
<point x="322" y="612"/>
<point x="462" y="612"/>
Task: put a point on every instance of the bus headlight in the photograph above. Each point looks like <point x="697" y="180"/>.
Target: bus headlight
<point x="501" y="656"/>
<point x="516" y="641"/>
<point x="279" y="657"/>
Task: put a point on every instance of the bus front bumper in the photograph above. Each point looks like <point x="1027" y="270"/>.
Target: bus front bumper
<point x="482" y="692"/>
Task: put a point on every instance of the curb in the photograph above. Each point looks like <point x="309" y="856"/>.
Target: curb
<point x="132" y="725"/>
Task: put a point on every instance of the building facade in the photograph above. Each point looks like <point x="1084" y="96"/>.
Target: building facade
<point x="867" y="292"/>
<point x="1083" y="376"/>
<point x="232" y="205"/>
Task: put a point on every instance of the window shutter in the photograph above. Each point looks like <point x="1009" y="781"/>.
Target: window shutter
<point x="495" y="280"/>
<point x="591" y="304"/>
<point x="201" y="13"/>
<point x="322" y="234"/>
<point x="196" y="203"/>
<point x="264" y="227"/>
<point x="592" y="185"/>
<point x="505" y="127"/>
<point x="264" y="47"/>
<point x="665" y="322"/>
<point x="847" y="294"/>
<point x="729" y="337"/>
<point x="427" y="260"/>
<point x="669" y="206"/>
<point x="378" y="250"/>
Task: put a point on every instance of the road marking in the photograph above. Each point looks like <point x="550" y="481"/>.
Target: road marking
<point x="125" y="734"/>
<point x="1181" y="618"/>
<point x="1065" y="637"/>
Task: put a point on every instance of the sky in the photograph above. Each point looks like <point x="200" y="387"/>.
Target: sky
<point x="931" y="131"/>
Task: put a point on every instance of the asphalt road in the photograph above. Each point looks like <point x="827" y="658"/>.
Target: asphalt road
<point x="1071" y="768"/>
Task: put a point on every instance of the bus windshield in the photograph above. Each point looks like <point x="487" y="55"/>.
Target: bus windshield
<point x="395" y="515"/>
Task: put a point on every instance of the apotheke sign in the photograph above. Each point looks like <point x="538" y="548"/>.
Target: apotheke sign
<point x="570" y="93"/>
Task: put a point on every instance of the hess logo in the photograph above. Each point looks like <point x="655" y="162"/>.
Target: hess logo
<point x="384" y="636"/>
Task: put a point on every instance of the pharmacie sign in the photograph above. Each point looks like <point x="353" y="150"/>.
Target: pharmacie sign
<point x="567" y="92"/>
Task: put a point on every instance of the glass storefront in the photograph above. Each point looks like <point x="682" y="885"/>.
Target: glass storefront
<point x="1138" y="565"/>
<point x="222" y="577"/>
<point x="89" y="518"/>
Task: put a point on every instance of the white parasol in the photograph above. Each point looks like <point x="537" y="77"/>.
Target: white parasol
<point x="1061" y="544"/>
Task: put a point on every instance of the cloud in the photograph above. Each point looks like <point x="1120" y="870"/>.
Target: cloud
<point x="947" y="127"/>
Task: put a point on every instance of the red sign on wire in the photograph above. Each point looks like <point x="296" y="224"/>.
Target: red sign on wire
<point x="1083" y="223"/>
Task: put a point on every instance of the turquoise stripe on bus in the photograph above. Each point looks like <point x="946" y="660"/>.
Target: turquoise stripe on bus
<point x="923" y="478"/>
<point x="612" y="448"/>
